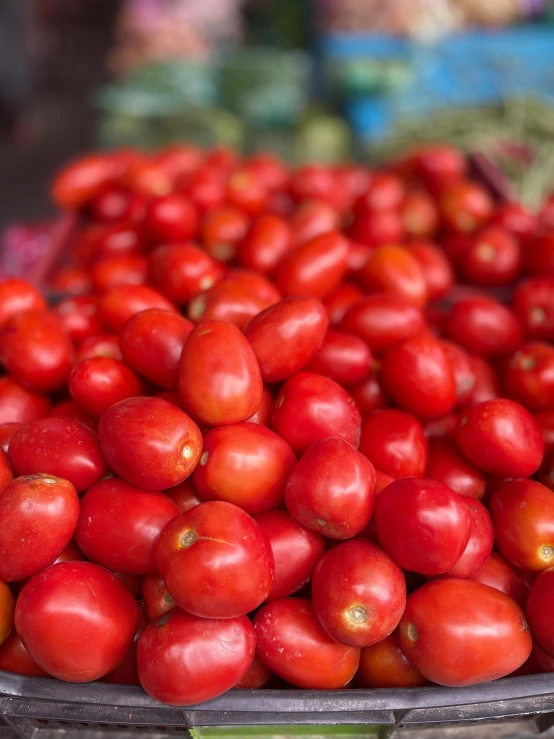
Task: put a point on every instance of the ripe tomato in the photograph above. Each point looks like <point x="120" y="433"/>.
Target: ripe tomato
<point x="533" y="304"/>
<point x="358" y="593"/>
<point x="121" y="303"/>
<point x="170" y="218"/>
<point x="70" y="281"/>
<point x="377" y="228"/>
<point x="315" y="268"/>
<point x="460" y="632"/>
<point x="540" y="605"/>
<point x="494" y="258"/>
<point x="7" y="430"/>
<point x="447" y="465"/>
<point x="383" y="665"/>
<point x="263" y="414"/>
<point x="313" y="218"/>
<point x="181" y="271"/>
<point x="149" y="442"/>
<point x="155" y="594"/>
<point x="184" y="659"/>
<point x="245" y="464"/>
<point x="342" y="357"/>
<point x="215" y="349"/>
<point x="246" y="191"/>
<point x="223" y="228"/>
<point x="501" y="437"/>
<point x="59" y="447"/>
<point x="15" y="658"/>
<point x="368" y="394"/>
<point x="516" y="219"/>
<point x="437" y="271"/>
<point x="419" y="214"/>
<point x="439" y="166"/>
<point x="100" y="345"/>
<point x="529" y="376"/>
<point x="394" y="270"/>
<point x="538" y="257"/>
<point x="310" y="407"/>
<point x="215" y="532"/>
<point x="39" y="514"/>
<point x="7" y="608"/>
<point x="292" y="644"/>
<point x="256" y="677"/>
<point x="115" y="204"/>
<point x="480" y="543"/>
<point x="78" y="317"/>
<point x="331" y="489"/>
<point x="111" y="272"/>
<point x="76" y="644"/>
<point x="226" y="301"/>
<point x="423" y="525"/>
<point x="487" y="382"/>
<point x="103" y="241"/>
<point x="126" y="673"/>
<point x="498" y="574"/>
<point x="184" y="495"/>
<point x="99" y="382"/>
<point x="79" y="182"/>
<point x="394" y="443"/>
<point x="267" y="241"/>
<point x="6" y="474"/>
<point x="19" y="405"/>
<point x="17" y="296"/>
<point x="483" y="326"/>
<point x="465" y="206"/>
<point x="464" y="373"/>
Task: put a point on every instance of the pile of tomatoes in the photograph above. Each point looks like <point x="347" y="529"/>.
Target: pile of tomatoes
<point x="286" y="427"/>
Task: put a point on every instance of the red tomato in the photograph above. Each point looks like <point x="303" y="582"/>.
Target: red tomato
<point x="385" y="191"/>
<point x="494" y="258"/>
<point x="393" y="270"/>
<point x="179" y="160"/>
<point x="215" y="561"/>
<point x="501" y="437"/>
<point x="358" y="593"/>
<point x="540" y="609"/>
<point x="71" y="553"/>
<point x="382" y="321"/>
<point x="206" y="189"/>
<point x="263" y="414"/>
<point x="155" y="594"/>
<point x="7" y="430"/>
<point x="104" y="241"/>
<point x="310" y="407"/>
<point x="395" y="443"/>
<point x="183" y="659"/>
<point x="487" y="383"/>
<point x="312" y="181"/>
<point x="6" y="474"/>
<point x="292" y="644"/>
<point x="447" y="465"/>
<point x="313" y="218"/>
<point x="296" y="551"/>
<point x="246" y="191"/>
<point x="35" y="351"/>
<point x="17" y="296"/>
<point x="181" y="271"/>
<point x="267" y="241"/>
<point x="529" y="376"/>
<point x="78" y="317"/>
<point x="480" y="543"/>
<point x="358" y="255"/>
<point x="423" y="525"/>
<point x="126" y="673"/>
<point x="498" y="574"/>
<point x="219" y="376"/>
<point x="523" y="515"/>
<point x="59" y="447"/>
<point x="70" y="281"/>
<point x="184" y="495"/>
<point x="19" y="405"/>
<point x="315" y="268"/>
<point x="115" y="204"/>
<point x="119" y="525"/>
<point x="342" y="357"/>
<point x="460" y="632"/>
<point x="437" y="271"/>
<point x="7" y="608"/>
<point x="383" y="665"/>
<point x="145" y="177"/>
<point x="538" y="257"/>
<point x="229" y="302"/>
<point x="121" y="303"/>
<point x="516" y="219"/>
<point x="101" y="345"/>
<point x="286" y="336"/>
<point x="152" y="342"/>
<point x="76" y="644"/>
<point x="15" y="658"/>
<point x="223" y="228"/>
<point x="368" y="394"/>
<point x="149" y="442"/>
<point x="439" y="166"/>
<point x="331" y="489"/>
<point x="377" y="228"/>
<point x="79" y="182"/>
<point x="465" y="206"/>
<point x="269" y="169"/>
<point x="245" y="464"/>
<point x="419" y="214"/>
<point x="170" y="218"/>
<point x="533" y="304"/>
<point x="545" y="419"/>
<point x="111" y="272"/>
<point x="464" y="373"/>
<point x="483" y="326"/>
<point x="256" y="677"/>
<point x="39" y="514"/>
<point x="99" y="382"/>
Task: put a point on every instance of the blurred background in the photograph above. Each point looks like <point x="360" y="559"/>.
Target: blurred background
<point x="313" y="80"/>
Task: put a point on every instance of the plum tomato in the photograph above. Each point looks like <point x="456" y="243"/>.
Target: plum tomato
<point x="119" y="525"/>
<point x="340" y="300"/>
<point x="152" y="342"/>
<point x="263" y="414"/>
<point x="6" y="474"/>
<point x="423" y="525"/>
<point x="445" y="464"/>
<point x="382" y="321"/>
<point x="170" y="218"/>
<point x="310" y="407"/>
<point x="219" y="378"/>
<point x="35" y="351"/>
<point x="418" y="375"/>
<point x="123" y="302"/>
<point x="18" y="296"/>
<point x="59" y="447"/>
<point x="487" y="382"/>
<point x="498" y="574"/>
<point x="296" y="551"/>
<point x="540" y="611"/>
<point x="483" y="326"/>
<point x="293" y="645"/>
<point x="501" y="437"/>
<point x="368" y="394"/>
<point x="39" y="514"/>
<point x="215" y="561"/>
<point x="461" y="632"/>
<point x="257" y="676"/>
<point x="286" y="336"/>
<point x="331" y="489"/>
<point x="516" y="219"/>
<point x="545" y="419"/>
<point x="82" y="180"/>
<point x="419" y="214"/>
<point x="149" y="442"/>
<point x="529" y="376"/>
<point x="377" y="228"/>
<point x="245" y="464"/>
<point x="226" y="301"/>
<point x="103" y="241"/>
<point x="19" y="405"/>
<point x="184" y="659"/>
<point x="479" y="545"/>
<point x="494" y="258"/>
<point x="15" y="658"/>
<point x="394" y="270"/>
<point x="7" y="608"/>
<point x="100" y="345"/>
<point x="181" y="271"/>
<point x="7" y="430"/>
<point x="358" y="593"/>
<point x="113" y="203"/>
<point x="394" y="442"/>
<point x="267" y="241"/>
<point x="99" y="382"/>
<point x="312" y="218"/>
<point x="184" y="495"/>
<point x="383" y="665"/>
<point x="156" y="597"/>
<point x="126" y="673"/>
<point x="111" y="272"/>
<point x="223" y="228"/>
<point x="72" y="411"/>
<point x="523" y="515"/>
<point x="439" y="166"/>
<point x="358" y="255"/>
<point x="533" y="304"/>
<point x="465" y="206"/>
<point x="464" y="374"/>
<point x="437" y="271"/>
<point x="76" y="644"/>
<point x="538" y="256"/>
<point x="246" y="191"/>
<point x="78" y="316"/>
<point x="342" y="357"/>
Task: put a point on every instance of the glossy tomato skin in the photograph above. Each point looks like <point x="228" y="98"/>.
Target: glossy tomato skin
<point x="15" y="658"/>
<point x="523" y="515"/>
<point x="331" y="489"/>
<point x="170" y="218"/>
<point x="152" y="342"/>
<point x="184" y="495"/>
<point x="479" y="546"/>
<point x="447" y="465"/>
<point x="256" y="677"/>
<point x="155" y="594"/>
<point x="267" y="241"/>
<point x="149" y="442"/>
<point x="358" y="593"/>
<point x="123" y="302"/>
<point x="7" y="430"/>
<point x="72" y="411"/>
<point x="499" y="574"/>
<point x="533" y="304"/>
<point x="368" y="394"/>
<point x="215" y="561"/>
<point x="36" y="352"/>
<point x="181" y="661"/>
<point x="394" y="270"/>
<point x="419" y="214"/>
<point x="181" y="271"/>
<point x="111" y="272"/>
<point x="99" y="382"/>
<point x="119" y="525"/>
<point x="226" y="301"/>
<point x="286" y="336"/>
<point x="422" y="525"/>
<point x="310" y="407"/>
<point x="529" y="376"/>
<point x="296" y="551"/>
<point x="465" y="206"/>
<point x="340" y="300"/>
<point x="7" y="608"/>
<point x="223" y="228"/>
<point x="494" y="258"/>
<point x="483" y="326"/>
<point x="126" y="673"/>
<point x="487" y="382"/>
<point x="78" y="316"/>
<point x="245" y="464"/>
<point x="501" y="437"/>
<point x="39" y="514"/>
<point x="394" y="442"/>
<point x="81" y="181"/>
<point x="6" y="473"/>
<point x="70" y="281"/>
<point x="383" y="665"/>
<point x="460" y="632"/>
<point x="418" y="375"/>
<point x="437" y="271"/>
<point x="215" y="350"/>
<point x="263" y="414"/>
<point x="292" y="644"/>
<point x="81" y="644"/>
<point x="100" y="345"/>
<point x="312" y="218"/>
<point x="19" y="405"/>
<point x="315" y="268"/>
<point x="18" y="296"/>
<point x="540" y="609"/>
<point x="59" y="447"/>
<point x="342" y="357"/>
